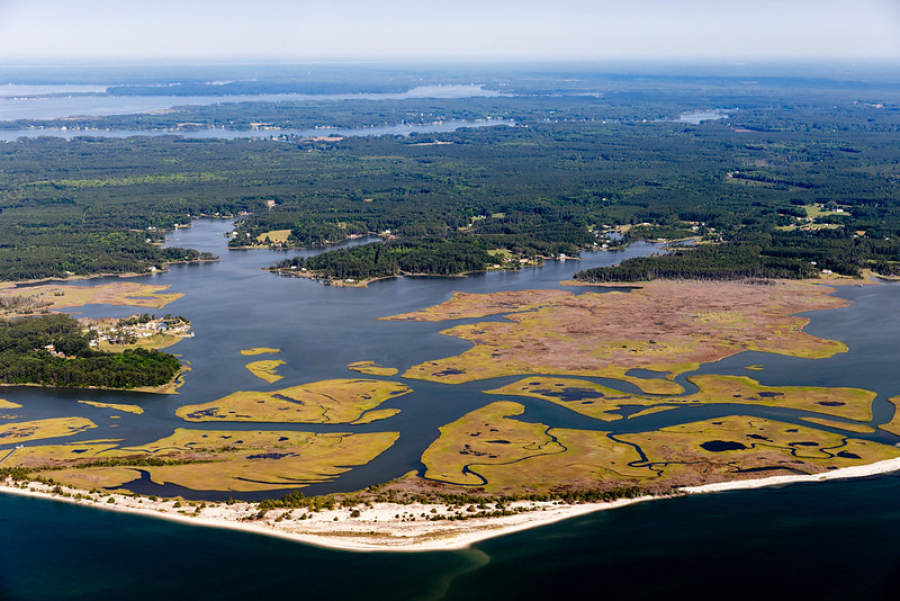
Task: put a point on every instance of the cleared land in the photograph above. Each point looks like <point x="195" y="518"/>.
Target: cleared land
<point x="274" y="237"/>
<point x="144" y="336"/>
<point x="666" y="326"/>
<point x="324" y="402"/>
<point x="600" y="402"/>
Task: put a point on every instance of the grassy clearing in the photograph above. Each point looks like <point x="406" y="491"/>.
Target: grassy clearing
<point x="153" y="343"/>
<point x="816" y="211"/>
<point x="265" y="369"/>
<point x="325" y="402"/>
<point x="115" y="406"/>
<point x="274" y="237"/>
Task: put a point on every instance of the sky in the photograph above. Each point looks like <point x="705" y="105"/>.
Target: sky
<point x="422" y="30"/>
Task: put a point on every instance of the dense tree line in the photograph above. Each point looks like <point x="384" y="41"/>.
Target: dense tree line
<point x="427" y="257"/>
<point x="548" y="186"/>
<point x="52" y="350"/>
<point x="777" y="254"/>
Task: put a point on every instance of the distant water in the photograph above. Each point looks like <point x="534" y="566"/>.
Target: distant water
<point x="44" y="102"/>
<point x="697" y="117"/>
<point x="25" y="91"/>
<point x="232" y="134"/>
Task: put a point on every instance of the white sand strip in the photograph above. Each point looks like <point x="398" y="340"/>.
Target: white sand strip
<point x="397" y="527"/>
<point x="860" y="471"/>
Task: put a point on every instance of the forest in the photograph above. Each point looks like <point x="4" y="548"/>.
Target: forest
<point x="787" y="182"/>
<point x="52" y="350"/>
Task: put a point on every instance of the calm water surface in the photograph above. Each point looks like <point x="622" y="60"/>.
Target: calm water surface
<point x="822" y="541"/>
<point x="54" y="102"/>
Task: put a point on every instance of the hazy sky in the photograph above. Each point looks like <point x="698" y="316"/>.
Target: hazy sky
<point x="449" y="29"/>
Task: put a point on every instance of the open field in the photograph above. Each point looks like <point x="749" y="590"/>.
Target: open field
<point x="138" y="335"/>
<point x="324" y="402"/>
<point x="664" y="326"/>
<point x="273" y="237"/>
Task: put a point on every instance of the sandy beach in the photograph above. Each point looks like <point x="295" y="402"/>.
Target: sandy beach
<point x="390" y="526"/>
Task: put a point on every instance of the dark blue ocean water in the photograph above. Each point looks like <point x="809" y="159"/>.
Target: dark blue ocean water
<point x="835" y="540"/>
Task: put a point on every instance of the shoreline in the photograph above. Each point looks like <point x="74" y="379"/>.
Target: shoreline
<point x="400" y="528"/>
